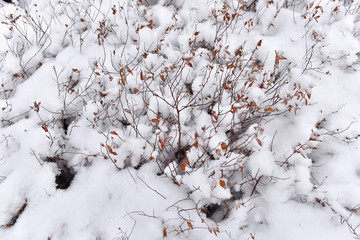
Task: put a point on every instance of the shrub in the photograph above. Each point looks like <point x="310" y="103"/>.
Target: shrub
<point x="193" y="96"/>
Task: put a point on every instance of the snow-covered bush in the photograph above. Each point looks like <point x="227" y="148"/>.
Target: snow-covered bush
<point x="196" y="92"/>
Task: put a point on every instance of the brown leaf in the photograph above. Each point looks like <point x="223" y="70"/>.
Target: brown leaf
<point x="162" y="143"/>
<point x="222" y="183"/>
<point x="278" y="58"/>
<point x="268" y="109"/>
<point x="183" y="167"/>
<point x="123" y="78"/>
<point x="111" y="150"/>
<point x="258" y="141"/>
<point x="190" y="225"/>
<point x="224" y="146"/>
<point x="114" y="133"/>
<point x="36" y="106"/>
<point x="218" y="152"/>
<point x="45" y="128"/>
<point x="154" y="120"/>
<point x="128" y="69"/>
<point x="164" y="233"/>
<point x="187" y="161"/>
<point x="189" y="64"/>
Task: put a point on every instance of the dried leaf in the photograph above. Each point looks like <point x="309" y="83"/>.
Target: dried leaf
<point x="114" y="133"/>
<point x="258" y="141"/>
<point x="320" y="7"/>
<point x="154" y="120"/>
<point x="162" y="143"/>
<point x="187" y="161"/>
<point x="111" y="150"/>
<point x="278" y="58"/>
<point x="224" y="146"/>
<point x="268" y="109"/>
<point x="164" y="233"/>
<point x="36" y="106"/>
<point x="190" y="225"/>
<point x="183" y="167"/>
<point x="218" y="152"/>
<point x="45" y="128"/>
<point x="222" y="183"/>
<point x="128" y="69"/>
<point x="123" y="78"/>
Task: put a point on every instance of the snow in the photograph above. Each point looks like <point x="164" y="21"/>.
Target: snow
<point x="179" y="119"/>
<point x="261" y="163"/>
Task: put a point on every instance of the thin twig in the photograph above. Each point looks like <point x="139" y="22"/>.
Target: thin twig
<point x="151" y="187"/>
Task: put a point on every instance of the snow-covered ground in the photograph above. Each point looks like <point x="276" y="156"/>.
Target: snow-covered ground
<point x="180" y="119"/>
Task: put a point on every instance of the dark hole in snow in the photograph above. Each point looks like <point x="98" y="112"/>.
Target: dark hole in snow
<point x="140" y="164"/>
<point x="149" y="3"/>
<point x="217" y="212"/>
<point x="127" y="162"/>
<point x="66" y="175"/>
<point x="8" y="1"/>
<point x="251" y="6"/>
<point x="16" y="216"/>
<point x="124" y="122"/>
<point x="63" y="180"/>
<point x="236" y="195"/>
<point x="66" y="123"/>
<point x="211" y="156"/>
<point x="210" y="209"/>
<point x="189" y="88"/>
<point x="182" y="153"/>
<point x="246" y="152"/>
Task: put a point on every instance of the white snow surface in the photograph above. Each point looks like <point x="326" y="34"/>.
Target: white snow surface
<point x="181" y="119"/>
